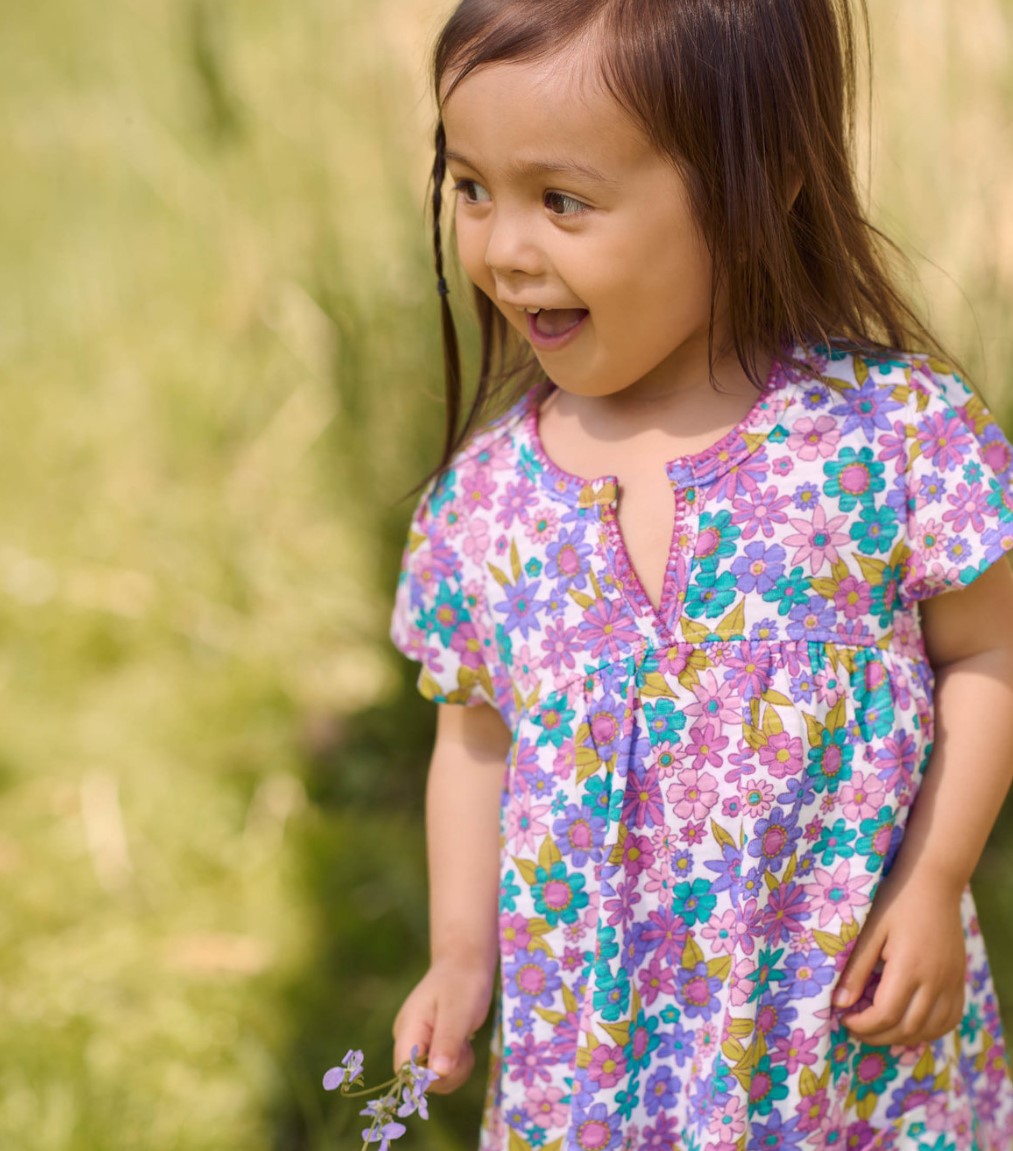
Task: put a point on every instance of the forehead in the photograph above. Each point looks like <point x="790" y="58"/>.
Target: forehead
<point x="522" y="110"/>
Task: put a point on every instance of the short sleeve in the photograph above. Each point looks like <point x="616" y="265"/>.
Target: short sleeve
<point x="431" y="621"/>
<point x="959" y="473"/>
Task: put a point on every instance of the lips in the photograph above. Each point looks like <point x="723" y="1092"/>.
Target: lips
<point x="554" y="327"/>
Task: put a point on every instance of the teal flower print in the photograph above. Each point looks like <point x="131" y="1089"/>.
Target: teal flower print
<point x="854" y="477"/>
<point x="663" y="721"/>
<point x="715" y="540"/>
<point x="834" y="843"/>
<point x="830" y="761"/>
<point x="447" y="614"/>
<point x="876" y="530"/>
<point x="710" y="597"/>
<point x="612" y="995"/>
<point x="555" y="719"/>
<point x="789" y="590"/>
<point x="644" y="1041"/>
<point x="767" y="973"/>
<point x="509" y="889"/>
<point x="768" y="1085"/>
<point x="872" y="1071"/>
<point x="877" y="832"/>
<point x="443" y="492"/>
<point x="693" y="901"/>
<point x="558" y="895"/>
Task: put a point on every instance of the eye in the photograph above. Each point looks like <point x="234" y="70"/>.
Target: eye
<point x="472" y="191"/>
<point x="559" y="204"/>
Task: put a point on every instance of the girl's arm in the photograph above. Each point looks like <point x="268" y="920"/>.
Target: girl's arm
<point x="463" y="793"/>
<point x="914" y="928"/>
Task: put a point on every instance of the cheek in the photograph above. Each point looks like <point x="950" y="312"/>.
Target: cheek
<point x="471" y="245"/>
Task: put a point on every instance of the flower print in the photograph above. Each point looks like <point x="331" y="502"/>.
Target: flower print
<point x="529" y="1060"/>
<point x="578" y="833"/>
<point x="449" y="521"/>
<point x="763" y="630"/>
<point x="567" y="558"/>
<point x="542" y="528"/>
<point x="835" y="843"/>
<point x="760" y="567"/>
<point x="757" y="798"/>
<point x="715" y="539"/>
<point x="508" y="893"/>
<point x="697" y="991"/>
<point x="814" y="397"/>
<point x="967" y="507"/>
<point x="930" y="490"/>
<point x="897" y="759"/>
<point x="930" y="539"/>
<point x="705" y="745"/>
<point x="525" y="668"/>
<point x="838" y="893"/>
<point x="788" y="590"/>
<point x="558" y="894"/>
<point x="728" y="1122"/>
<point x="666" y="933"/>
<point x="876" y="838"/>
<point x="477" y="488"/>
<point x="661" y="1090"/>
<point x="872" y="1070"/>
<point x="607" y="629"/>
<point x="875" y="530"/>
<point x="637" y="853"/>
<point x="710" y="596"/>
<point x="778" y="1133"/>
<point x="513" y="934"/>
<point x="774" y="838"/>
<point x="673" y="661"/>
<point x="810" y="618"/>
<point x="657" y="978"/>
<point x="713" y="700"/>
<point x="781" y="755"/>
<point x="861" y="797"/>
<point x="760" y="512"/>
<point x="663" y="1136"/>
<point x="866" y="408"/>
<point x="853" y="477"/>
<point x="467" y="644"/>
<point x="726" y="932"/>
<point x="805" y="497"/>
<point x="533" y="976"/>
<point x="830" y="760"/>
<point x="852" y="597"/>
<point x="555" y="719"/>
<point x="620" y="909"/>
<point x="816" y="540"/>
<point x="796" y="1050"/>
<point x="560" y="643"/>
<point x="809" y="971"/>
<point x="523" y="822"/>
<point x="664" y="760"/>
<point x="642" y="803"/>
<point x="944" y="440"/>
<point x="693" y="793"/>
<point x="813" y="439"/>
<point x="612" y="996"/>
<point x="607" y="1066"/>
<point x="787" y="908"/>
<point x="545" y="1106"/>
<point x="693" y="902"/>
<point x="515" y="501"/>
<point x="521" y="605"/>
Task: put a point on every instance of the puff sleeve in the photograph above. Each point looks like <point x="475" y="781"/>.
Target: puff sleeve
<point x="959" y="493"/>
<point x="432" y="620"/>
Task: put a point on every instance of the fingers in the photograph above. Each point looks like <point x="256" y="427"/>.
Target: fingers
<point x="413" y="1027"/>
<point x="450" y="1053"/>
<point x="904" y="1012"/>
<point x="860" y="967"/>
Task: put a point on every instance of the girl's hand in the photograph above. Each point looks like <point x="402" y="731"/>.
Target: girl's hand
<point x="442" y="1013"/>
<point x="914" y="932"/>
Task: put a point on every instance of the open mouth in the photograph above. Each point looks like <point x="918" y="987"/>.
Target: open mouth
<point x="552" y="327"/>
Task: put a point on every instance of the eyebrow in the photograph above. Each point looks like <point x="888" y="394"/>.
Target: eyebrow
<point x="545" y="167"/>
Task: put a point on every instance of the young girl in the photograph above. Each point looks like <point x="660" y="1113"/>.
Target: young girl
<point x="723" y="594"/>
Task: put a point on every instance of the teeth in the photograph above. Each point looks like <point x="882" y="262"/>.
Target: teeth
<point x="530" y="311"/>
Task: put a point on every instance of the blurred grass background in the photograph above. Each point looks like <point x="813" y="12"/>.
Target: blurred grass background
<point x="220" y="373"/>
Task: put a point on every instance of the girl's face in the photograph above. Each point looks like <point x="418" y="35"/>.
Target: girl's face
<point x="564" y="205"/>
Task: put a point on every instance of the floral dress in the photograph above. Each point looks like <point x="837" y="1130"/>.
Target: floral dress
<point x="701" y="799"/>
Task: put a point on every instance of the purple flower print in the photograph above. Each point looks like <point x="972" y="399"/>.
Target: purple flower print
<point x="866" y="408"/>
<point x="760" y="567"/>
<point x="661" y="1090"/>
<point x="666" y="933"/>
<point x="811" y="617"/>
<point x="578" y="833"/>
<point x="607" y="629"/>
<point x="595" y="1129"/>
<point x="943" y="439"/>
<point x="560" y="644"/>
<point x="533" y="976"/>
<point x="698" y="991"/>
<point x="521" y="606"/>
<point x="517" y="498"/>
<point x="774" y="838"/>
<point x="567" y="558"/>
<point x="968" y="506"/>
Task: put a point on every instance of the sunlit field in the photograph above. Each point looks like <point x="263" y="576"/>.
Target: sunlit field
<point x="220" y="376"/>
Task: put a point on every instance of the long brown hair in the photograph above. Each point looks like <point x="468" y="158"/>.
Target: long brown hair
<point x="747" y="97"/>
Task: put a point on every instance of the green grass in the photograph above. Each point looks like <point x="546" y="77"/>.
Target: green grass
<point x="219" y="373"/>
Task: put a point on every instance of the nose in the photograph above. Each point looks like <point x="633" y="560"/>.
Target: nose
<point x="512" y="247"/>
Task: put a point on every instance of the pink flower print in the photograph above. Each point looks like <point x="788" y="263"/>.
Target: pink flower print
<point x="729" y="1122"/>
<point x="781" y="755"/>
<point x="757" y="797"/>
<point x="477" y="488"/>
<point x="513" y="934"/>
<point x="714" y="701"/>
<point x="474" y="596"/>
<point x="861" y="797"/>
<point x="621" y="908"/>
<point x="523" y="822"/>
<point x="674" y="660"/>
<point x="814" y="438"/>
<point x="664" y="760"/>
<point x="559" y="643"/>
<point x="524" y="665"/>
<point x="811" y="1110"/>
<point x="515" y="501"/>
<point x="818" y="539"/>
<point x="542" y="527"/>
<point x="706" y="745"/>
<point x="693" y="833"/>
<point x="667" y="933"/>
<point x="853" y="597"/>
<point x="465" y="641"/>
<point x="638" y="854"/>
<point x="966" y="507"/>
<point x="449" y="521"/>
<point x="724" y="934"/>
<point x="528" y="1060"/>
<point x="544" y="1107"/>
<point x="931" y="539"/>
<point x="838" y="892"/>
<point x="760" y="512"/>
<point x="897" y="759"/>
<point x="660" y="877"/>
<point x="476" y="542"/>
<point x="796" y="1051"/>
<point x="693" y="794"/>
<point x="741" y="987"/>
<point x="943" y="439"/>
<point x="607" y="629"/>
<point x="657" y="978"/>
<point x="573" y="959"/>
<point x="783" y="466"/>
<point x="642" y="805"/>
<point x="608" y="1065"/>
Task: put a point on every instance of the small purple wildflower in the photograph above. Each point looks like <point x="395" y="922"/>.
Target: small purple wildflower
<point x="398" y="1098"/>
<point x="383" y="1135"/>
